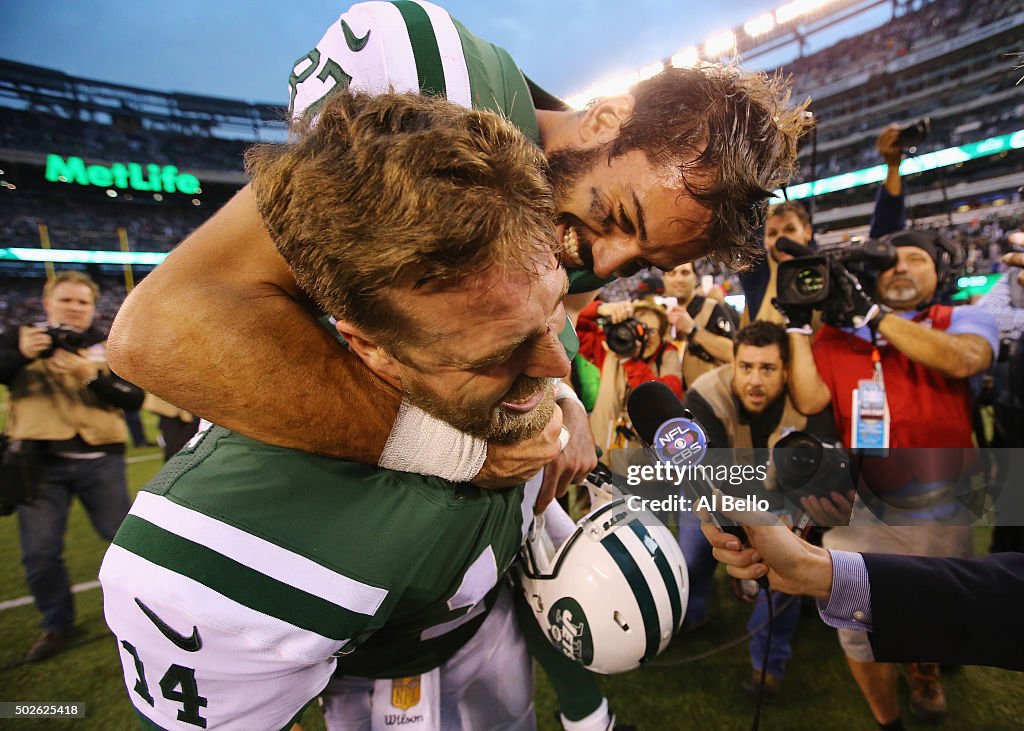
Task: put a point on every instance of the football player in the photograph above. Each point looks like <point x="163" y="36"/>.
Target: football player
<point x="246" y="574"/>
<point x="639" y="180"/>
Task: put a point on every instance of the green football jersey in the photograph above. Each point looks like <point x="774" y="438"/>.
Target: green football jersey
<point x="406" y="46"/>
<point x="245" y="574"/>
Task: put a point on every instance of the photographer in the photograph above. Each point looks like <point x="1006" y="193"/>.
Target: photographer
<point x="790" y="220"/>
<point x="1005" y="302"/>
<point x="65" y="402"/>
<point x="890" y="212"/>
<point x="893" y="347"/>
<point x="626" y="340"/>
<point x="701" y="327"/>
<point x="745" y="409"/>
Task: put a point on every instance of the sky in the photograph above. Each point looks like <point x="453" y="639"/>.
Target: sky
<point x="245" y="49"/>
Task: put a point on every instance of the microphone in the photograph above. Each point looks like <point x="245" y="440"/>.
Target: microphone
<point x="671" y="434"/>
<point x="788" y="246"/>
<point x="652" y="404"/>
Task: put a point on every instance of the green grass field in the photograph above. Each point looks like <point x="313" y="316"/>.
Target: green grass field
<point x="679" y="693"/>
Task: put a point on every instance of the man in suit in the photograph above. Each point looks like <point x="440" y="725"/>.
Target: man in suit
<point x="948" y="610"/>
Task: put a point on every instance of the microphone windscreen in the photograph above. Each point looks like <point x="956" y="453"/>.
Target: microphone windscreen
<point x="788" y="246"/>
<point x="650" y="405"/>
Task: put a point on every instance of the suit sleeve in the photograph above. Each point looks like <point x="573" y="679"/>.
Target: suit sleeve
<point x="963" y="611"/>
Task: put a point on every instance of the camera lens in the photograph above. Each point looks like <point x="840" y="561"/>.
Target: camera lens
<point x="621" y="338"/>
<point x="809" y="282"/>
<point x="797" y="458"/>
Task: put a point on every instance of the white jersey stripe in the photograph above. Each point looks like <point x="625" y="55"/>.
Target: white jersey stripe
<point x="258" y="554"/>
<point x="453" y="59"/>
<point x="195" y="603"/>
<point x="530" y="492"/>
<point x="390" y="64"/>
<point x="277" y="666"/>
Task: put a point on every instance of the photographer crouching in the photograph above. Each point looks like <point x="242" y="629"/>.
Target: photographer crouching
<point x="66" y="415"/>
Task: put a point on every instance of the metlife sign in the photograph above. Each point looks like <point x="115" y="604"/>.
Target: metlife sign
<point x="150" y="178"/>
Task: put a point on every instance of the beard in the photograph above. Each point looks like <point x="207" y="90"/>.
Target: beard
<point x="490" y="420"/>
<point x="900" y="295"/>
<point x="566" y="169"/>
<point x="749" y="405"/>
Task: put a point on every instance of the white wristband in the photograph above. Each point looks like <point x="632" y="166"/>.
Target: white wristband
<point x="564" y="391"/>
<point x="426" y="445"/>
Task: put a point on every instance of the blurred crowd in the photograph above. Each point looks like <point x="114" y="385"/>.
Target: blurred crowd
<point x="869" y="52"/>
<point x="127" y="142"/>
<point x="77" y="224"/>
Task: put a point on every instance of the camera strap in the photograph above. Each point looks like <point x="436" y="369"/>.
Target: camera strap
<point x="869" y="430"/>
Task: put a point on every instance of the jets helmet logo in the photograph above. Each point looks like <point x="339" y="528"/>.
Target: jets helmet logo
<point x="569" y="630"/>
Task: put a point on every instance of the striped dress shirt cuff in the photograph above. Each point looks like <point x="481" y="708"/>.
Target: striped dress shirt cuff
<point x="849" y="605"/>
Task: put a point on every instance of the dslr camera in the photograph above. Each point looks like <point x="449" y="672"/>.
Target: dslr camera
<point x="806" y="466"/>
<point x="68" y="338"/>
<point x="623" y="337"/>
<point x="914" y="133"/>
<point x="808" y="280"/>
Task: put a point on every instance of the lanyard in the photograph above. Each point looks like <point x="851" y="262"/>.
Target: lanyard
<point x="876" y="361"/>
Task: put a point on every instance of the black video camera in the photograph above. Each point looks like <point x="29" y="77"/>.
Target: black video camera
<point x="808" y="280"/>
<point x="68" y="338"/>
<point x="623" y="337"/>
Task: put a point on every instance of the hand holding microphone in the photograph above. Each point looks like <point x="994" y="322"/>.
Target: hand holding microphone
<point x="776" y="554"/>
<point x="669" y="431"/>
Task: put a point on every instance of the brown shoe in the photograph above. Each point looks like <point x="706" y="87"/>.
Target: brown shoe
<point x="927" y="699"/>
<point x="752" y="685"/>
<point x="48" y="645"/>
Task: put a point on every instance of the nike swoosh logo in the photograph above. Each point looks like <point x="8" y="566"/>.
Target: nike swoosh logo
<point x="353" y="42"/>
<point x="192" y="643"/>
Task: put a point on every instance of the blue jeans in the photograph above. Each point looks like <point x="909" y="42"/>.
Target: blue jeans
<point x="700" y="565"/>
<point x="786" y="622"/>
<point x="102" y="487"/>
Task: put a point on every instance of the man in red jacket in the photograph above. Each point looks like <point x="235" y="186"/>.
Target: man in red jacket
<point x="895" y="369"/>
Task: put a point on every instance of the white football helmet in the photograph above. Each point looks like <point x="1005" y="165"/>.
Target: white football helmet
<point x="613" y="594"/>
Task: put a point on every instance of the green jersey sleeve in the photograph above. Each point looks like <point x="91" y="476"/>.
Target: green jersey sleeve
<point x="407" y="46"/>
